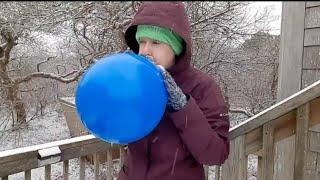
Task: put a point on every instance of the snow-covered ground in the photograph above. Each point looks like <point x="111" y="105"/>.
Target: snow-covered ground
<point x="50" y="127"/>
<point x="53" y="127"/>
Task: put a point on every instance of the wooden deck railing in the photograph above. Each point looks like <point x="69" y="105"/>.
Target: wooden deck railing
<point x="27" y="158"/>
<point x="297" y="116"/>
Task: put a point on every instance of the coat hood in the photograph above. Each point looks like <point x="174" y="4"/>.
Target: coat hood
<point x="170" y="15"/>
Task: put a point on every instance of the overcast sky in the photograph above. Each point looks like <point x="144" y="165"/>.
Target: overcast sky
<point x="276" y="8"/>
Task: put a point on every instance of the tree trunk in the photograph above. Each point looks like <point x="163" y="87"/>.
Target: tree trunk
<point x="17" y="105"/>
<point x="11" y="88"/>
<point x="274" y="83"/>
<point x="11" y="94"/>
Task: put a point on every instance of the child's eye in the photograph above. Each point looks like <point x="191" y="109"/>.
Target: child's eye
<point x="156" y="42"/>
<point x="141" y="41"/>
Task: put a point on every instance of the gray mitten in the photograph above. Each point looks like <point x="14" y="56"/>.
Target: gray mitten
<point x="177" y="99"/>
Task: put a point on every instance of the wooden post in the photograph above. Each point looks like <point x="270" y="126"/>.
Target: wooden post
<point x="235" y="167"/>
<point x="82" y="167"/>
<point x="47" y="170"/>
<point x="259" y="174"/>
<point x="301" y="145"/>
<point x="27" y="175"/>
<point x="96" y="165"/>
<point x="66" y="170"/>
<point x="217" y="172"/>
<point x="109" y="164"/>
<point x="291" y="49"/>
<point x="268" y="152"/>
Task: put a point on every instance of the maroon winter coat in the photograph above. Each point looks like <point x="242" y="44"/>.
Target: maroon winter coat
<point x="184" y="140"/>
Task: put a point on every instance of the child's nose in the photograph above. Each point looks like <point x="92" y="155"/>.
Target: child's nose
<point x="146" y="49"/>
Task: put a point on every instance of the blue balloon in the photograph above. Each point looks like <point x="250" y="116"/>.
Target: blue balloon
<point x="121" y="98"/>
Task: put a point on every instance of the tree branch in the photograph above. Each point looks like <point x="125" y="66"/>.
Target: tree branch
<point x="211" y="17"/>
<point x="6" y="48"/>
<point x="42" y="62"/>
<point x="242" y="111"/>
<point x="61" y="78"/>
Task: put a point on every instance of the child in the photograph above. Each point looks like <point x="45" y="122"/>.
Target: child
<point x="194" y="129"/>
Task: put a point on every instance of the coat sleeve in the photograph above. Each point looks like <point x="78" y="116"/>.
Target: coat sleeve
<point x="203" y="125"/>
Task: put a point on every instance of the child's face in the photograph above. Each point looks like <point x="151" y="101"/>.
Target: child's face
<point x="159" y="53"/>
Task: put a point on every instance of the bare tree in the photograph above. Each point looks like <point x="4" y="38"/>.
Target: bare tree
<point x="88" y="27"/>
<point x="262" y="52"/>
<point x="46" y="45"/>
<point x="219" y="30"/>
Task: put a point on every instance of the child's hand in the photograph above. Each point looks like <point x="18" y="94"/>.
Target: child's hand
<point x="177" y="99"/>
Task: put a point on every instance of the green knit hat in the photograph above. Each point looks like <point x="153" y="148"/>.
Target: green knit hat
<point x="161" y="34"/>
